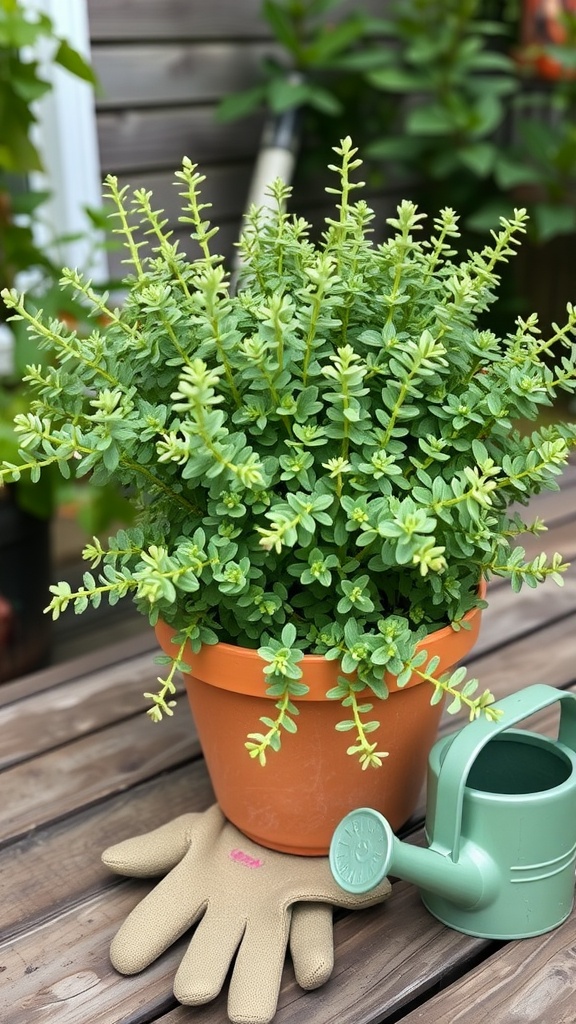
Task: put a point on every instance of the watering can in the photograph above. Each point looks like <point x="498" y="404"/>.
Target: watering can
<point x="500" y="824"/>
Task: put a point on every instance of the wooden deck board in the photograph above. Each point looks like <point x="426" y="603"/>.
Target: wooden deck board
<point x="58" y="864"/>
<point x="530" y="980"/>
<point x="73" y="709"/>
<point x="88" y="770"/>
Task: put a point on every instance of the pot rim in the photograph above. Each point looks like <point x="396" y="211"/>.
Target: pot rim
<point x="232" y="667"/>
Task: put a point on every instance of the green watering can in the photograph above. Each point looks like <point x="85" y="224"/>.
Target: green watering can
<point x="500" y="823"/>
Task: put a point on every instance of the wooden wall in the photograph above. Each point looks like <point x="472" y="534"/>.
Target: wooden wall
<point x="163" y="66"/>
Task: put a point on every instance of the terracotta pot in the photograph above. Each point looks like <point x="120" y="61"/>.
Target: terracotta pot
<point x="294" y="803"/>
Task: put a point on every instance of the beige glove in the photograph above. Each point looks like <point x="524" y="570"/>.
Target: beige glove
<point x="247" y="899"/>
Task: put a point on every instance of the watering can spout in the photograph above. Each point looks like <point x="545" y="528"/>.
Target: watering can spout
<point x="501" y="823"/>
<point x="364" y="850"/>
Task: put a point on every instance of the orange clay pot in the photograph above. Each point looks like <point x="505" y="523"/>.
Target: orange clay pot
<point x="294" y="803"/>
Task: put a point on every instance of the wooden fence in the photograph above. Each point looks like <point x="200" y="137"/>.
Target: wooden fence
<point x="164" y="65"/>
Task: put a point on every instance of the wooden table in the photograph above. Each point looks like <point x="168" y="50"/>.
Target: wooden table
<point x="82" y="767"/>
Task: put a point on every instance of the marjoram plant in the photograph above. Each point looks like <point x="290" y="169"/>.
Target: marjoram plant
<point x="322" y="462"/>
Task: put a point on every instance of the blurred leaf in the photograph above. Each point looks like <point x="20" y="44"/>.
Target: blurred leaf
<point x="565" y="55"/>
<point x="364" y="59"/>
<point x="27" y="202"/>
<point x="240" y="104"/>
<point x="25" y="82"/>
<point x="489" y="113"/>
<point x="490" y="60"/>
<point x="510" y="172"/>
<point x="487" y="217"/>
<point x="284" y="94"/>
<point x="334" y="39"/>
<point x="316" y="7"/>
<point x="17" y="152"/>
<point x="74" y="62"/>
<point x="282" y="26"/>
<point x="395" y="79"/>
<point x="401" y="147"/>
<point x="323" y="100"/>
<point x="430" y="119"/>
<point x="552" y="219"/>
<point x="479" y="157"/>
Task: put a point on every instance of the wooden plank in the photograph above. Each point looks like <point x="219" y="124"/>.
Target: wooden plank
<point x="59" y="866"/>
<point x="553" y="503"/>
<point x="385" y="958"/>
<point x="529" y="980"/>
<point x="133" y="140"/>
<point x="173" y="19"/>
<point x="512" y="616"/>
<point x="108" y="655"/>
<point x="225" y="188"/>
<point x="60" y="972"/>
<point x="228" y="197"/>
<point x="560" y="536"/>
<point x="101" y="627"/>
<point x="76" y="708"/>
<point x="147" y="75"/>
<point x="544" y="656"/>
<point x="49" y="787"/>
<point x="189" y="19"/>
<point x="81" y="706"/>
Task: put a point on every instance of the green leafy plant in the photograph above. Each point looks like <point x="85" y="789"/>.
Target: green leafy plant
<point x="322" y="462"/>
<point x="448" y="103"/>
<point x="22" y="84"/>
<point x="472" y="116"/>
<point x="313" y="37"/>
<point x="446" y="66"/>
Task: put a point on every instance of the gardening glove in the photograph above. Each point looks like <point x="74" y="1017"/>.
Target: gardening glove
<point x="246" y="898"/>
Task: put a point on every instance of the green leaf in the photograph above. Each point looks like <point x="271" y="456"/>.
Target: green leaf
<point x="430" y="119"/>
<point x="238" y="105"/>
<point x="479" y="157"/>
<point x="551" y="219"/>
<point x="394" y="79"/>
<point x="454" y="706"/>
<point x="289" y="634"/>
<point x="278" y="17"/>
<point x="73" y="62"/>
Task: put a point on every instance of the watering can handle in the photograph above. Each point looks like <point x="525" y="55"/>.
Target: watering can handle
<point x="468" y="743"/>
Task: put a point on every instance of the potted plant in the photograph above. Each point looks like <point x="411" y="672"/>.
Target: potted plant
<point x="322" y="466"/>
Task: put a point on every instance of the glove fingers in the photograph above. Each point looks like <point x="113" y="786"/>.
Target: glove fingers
<point x="153" y="853"/>
<point x="257" y="974"/>
<point x="205" y="965"/>
<point x="312" y="943"/>
<point x="158" y="920"/>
